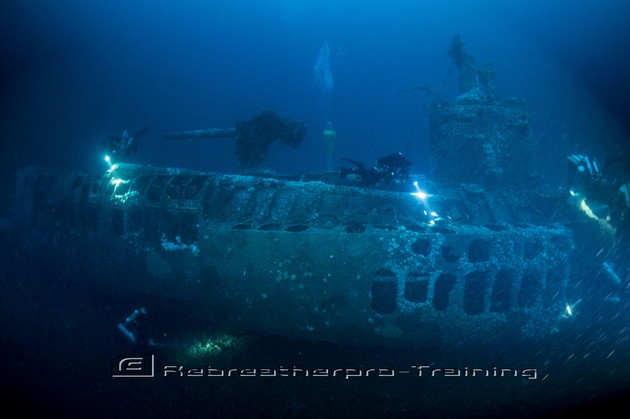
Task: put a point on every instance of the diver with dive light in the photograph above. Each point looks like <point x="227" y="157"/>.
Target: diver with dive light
<point x="389" y="172"/>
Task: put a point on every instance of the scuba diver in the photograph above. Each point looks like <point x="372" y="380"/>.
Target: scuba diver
<point x="124" y="144"/>
<point x="584" y="174"/>
<point x="134" y="327"/>
<point x="142" y="329"/>
<point x="390" y="172"/>
<point x="607" y="196"/>
<point x="138" y="329"/>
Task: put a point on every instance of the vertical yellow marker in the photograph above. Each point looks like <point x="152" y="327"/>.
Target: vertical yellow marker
<point x="330" y="135"/>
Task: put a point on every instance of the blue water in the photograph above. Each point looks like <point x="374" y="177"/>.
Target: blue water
<point x="73" y="72"/>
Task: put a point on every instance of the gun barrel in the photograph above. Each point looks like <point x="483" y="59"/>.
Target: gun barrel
<point x="203" y="133"/>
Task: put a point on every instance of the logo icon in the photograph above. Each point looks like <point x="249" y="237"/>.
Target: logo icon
<point x="137" y="366"/>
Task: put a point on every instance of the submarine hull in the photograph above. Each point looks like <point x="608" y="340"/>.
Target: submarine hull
<point x="303" y="258"/>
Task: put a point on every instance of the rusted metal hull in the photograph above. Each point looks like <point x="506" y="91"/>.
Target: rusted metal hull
<point x="303" y="259"/>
